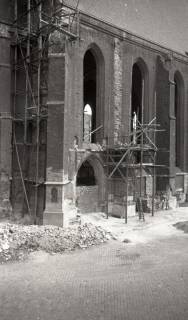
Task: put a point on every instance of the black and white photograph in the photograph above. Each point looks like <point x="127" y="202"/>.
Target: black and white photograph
<point x="93" y="159"/>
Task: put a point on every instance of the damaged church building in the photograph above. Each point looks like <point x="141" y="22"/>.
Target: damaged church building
<point x="92" y="117"/>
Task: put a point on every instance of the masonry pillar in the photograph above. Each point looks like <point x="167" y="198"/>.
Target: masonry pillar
<point x="55" y="125"/>
<point x="117" y="88"/>
<point x="166" y="118"/>
<point x="162" y="113"/>
<point x="127" y="90"/>
<point x="5" y="122"/>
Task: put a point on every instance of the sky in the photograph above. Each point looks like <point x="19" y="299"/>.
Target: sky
<point x="162" y="21"/>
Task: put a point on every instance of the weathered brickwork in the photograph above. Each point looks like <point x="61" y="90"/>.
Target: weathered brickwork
<point x="63" y="152"/>
<point x="87" y="199"/>
<point x="5" y="122"/>
<point x="116" y="94"/>
<point x="117" y="88"/>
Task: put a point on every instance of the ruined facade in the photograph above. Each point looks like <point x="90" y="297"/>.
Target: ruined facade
<point x="53" y="147"/>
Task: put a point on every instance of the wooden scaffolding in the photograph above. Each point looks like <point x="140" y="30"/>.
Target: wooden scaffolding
<point x="34" y="23"/>
<point x="127" y="162"/>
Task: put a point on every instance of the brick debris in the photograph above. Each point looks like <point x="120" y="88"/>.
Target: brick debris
<point x="17" y="241"/>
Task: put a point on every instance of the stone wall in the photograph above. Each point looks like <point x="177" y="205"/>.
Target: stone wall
<point x="87" y="199"/>
<point x="115" y="51"/>
<point x="5" y="121"/>
<point x="117" y="88"/>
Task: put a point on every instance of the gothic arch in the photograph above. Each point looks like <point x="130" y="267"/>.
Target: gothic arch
<point x="140" y="73"/>
<point x="97" y="166"/>
<point x="179" y="115"/>
<point x="143" y="67"/>
<point x="95" y="172"/>
<point x="93" y="87"/>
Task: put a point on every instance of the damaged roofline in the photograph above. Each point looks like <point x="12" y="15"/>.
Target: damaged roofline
<point x="127" y="35"/>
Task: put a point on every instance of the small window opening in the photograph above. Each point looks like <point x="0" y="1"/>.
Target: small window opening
<point x="90" y="93"/>
<point x="137" y="101"/>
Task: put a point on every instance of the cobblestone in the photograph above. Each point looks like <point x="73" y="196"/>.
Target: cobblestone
<point x="115" y="281"/>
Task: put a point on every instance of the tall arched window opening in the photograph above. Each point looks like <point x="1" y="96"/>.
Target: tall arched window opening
<point x="178" y="111"/>
<point x="90" y="99"/>
<point x="139" y="99"/>
<point x="94" y="91"/>
<point x="137" y="93"/>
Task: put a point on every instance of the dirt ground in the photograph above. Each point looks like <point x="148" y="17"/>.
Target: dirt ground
<point x="144" y="279"/>
<point x="159" y="226"/>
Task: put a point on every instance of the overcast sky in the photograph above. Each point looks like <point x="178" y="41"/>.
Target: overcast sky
<point x="163" y="21"/>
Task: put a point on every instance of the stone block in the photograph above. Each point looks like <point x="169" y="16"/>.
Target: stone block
<point x="53" y="218"/>
<point x="118" y="210"/>
<point x="173" y="202"/>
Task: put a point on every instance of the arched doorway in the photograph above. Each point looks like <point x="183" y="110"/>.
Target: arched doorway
<point x="90" y="182"/>
<point x="86" y="175"/>
<point x="93" y="94"/>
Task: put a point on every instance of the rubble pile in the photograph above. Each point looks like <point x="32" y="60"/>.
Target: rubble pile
<point x="17" y="241"/>
<point x="182" y="225"/>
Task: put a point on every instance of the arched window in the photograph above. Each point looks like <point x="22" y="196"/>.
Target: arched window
<point x="139" y="99"/>
<point x="140" y="91"/>
<point x="93" y="93"/>
<point x="137" y="92"/>
<point x="178" y="111"/>
<point x="90" y="82"/>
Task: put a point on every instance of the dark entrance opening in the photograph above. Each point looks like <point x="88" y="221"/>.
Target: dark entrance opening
<point x="86" y="175"/>
<point x="90" y="88"/>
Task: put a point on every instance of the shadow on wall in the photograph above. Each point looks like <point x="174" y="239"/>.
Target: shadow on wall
<point x="87" y="189"/>
<point x="90" y="186"/>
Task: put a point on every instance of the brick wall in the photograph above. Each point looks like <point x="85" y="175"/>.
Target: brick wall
<point x="5" y="121"/>
<point x="87" y="198"/>
<point x="116" y="51"/>
<point x="117" y="88"/>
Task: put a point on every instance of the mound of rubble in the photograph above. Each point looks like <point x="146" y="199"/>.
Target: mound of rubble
<point x="183" y="225"/>
<point x="17" y="241"/>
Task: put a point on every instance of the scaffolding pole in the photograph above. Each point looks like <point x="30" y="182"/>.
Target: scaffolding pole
<point x="122" y="157"/>
<point x="30" y="44"/>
